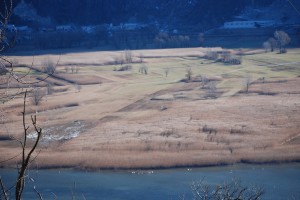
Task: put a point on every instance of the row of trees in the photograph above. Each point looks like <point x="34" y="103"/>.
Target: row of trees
<point x="164" y="40"/>
<point x="280" y="40"/>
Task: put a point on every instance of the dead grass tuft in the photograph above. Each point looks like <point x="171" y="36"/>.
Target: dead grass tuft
<point x="209" y="130"/>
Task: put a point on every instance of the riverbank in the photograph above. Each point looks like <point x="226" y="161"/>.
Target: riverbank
<point x="188" y="167"/>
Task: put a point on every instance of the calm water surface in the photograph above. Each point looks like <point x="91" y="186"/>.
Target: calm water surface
<point x="279" y="182"/>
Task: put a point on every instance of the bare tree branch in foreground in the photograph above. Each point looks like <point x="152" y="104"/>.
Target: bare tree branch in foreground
<point x="227" y="191"/>
<point x="26" y="157"/>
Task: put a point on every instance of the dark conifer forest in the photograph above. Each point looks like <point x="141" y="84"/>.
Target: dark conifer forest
<point x="204" y="12"/>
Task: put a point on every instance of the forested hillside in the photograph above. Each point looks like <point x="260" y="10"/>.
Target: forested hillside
<point x="199" y="12"/>
<point x="137" y="24"/>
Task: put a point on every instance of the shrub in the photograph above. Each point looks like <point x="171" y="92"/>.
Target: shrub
<point x="235" y="60"/>
<point x="77" y="87"/>
<point x="168" y="133"/>
<point x="37" y="96"/>
<point x="128" y="56"/>
<point x="141" y="56"/>
<point x="119" y="60"/>
<point x="166" y="70"/>
<point x="226" y="191"/>
<point x="212" y="90"/>
<point x="125" y="68"/>
<point x="209" y="130"/>
<point x="50" y="89"/>
<point x="48" y="66"/>
<point x="189" y="74"/>
<point x="143" y="69"/>
<point x="212" y="55"/>
<point x="247" y="83"/>
<point x="204" y="80"/>
<point x="267" y="46"/>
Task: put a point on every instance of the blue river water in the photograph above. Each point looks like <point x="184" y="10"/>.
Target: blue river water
<point x="278" y="181"/>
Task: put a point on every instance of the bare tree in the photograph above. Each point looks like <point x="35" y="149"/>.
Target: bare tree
<point x="4" y="192"/>
<point x="67" y="68"/>
<point x="204" y="80"/>
<point x="72" y="69"/>
<point x="247" y="83"/>
<point x="267" y="46"/>
<point x="49" y="66"/>
<point x="212" y="90"/>
<point x="6" y="13"/>
<point x="143" y="69"/>
<point x="128" y="56"/>
<point x="37" y="96"/>
<point x="76" y="69"/>
<point x="77" y="87"/>
<point x="119" y="60"/>
<point x="225" y="56"/>
<point x="8" y="75"/>
<point x="26" y="157"/>
<point x="273" y="43"/>
<point x="27" y="154"/>
<point x="226" y="191"/>
<point x="189" y="74"/>
<point x="50" y="89"/>
<point x="212" y="55"/>
<point x="166" y="70"/>
<point x="283" y="40"/>
<point x="141" y="56"/>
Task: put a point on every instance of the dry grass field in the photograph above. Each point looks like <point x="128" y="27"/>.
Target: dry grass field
<point x="103" y="118"/>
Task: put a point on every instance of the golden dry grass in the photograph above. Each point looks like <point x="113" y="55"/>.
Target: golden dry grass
<point x="124" y="125"/>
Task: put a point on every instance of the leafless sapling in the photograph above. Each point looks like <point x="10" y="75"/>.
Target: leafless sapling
<point x="166" y="70"/>
<point x="189" y="74"/>
<point x="37" y="96"/>
<point x="283" y="40"/>
<point x="226" y="191"/>
<point x="247" y="83"/>
<point x="143" y="69"/>
<point x="49" y="66"/>
<point x="128" y="56"/>
<point x="267" y="46"/>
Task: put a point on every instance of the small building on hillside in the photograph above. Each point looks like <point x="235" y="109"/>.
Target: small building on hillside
<point x="249" y="24"/>
<point x="47" y="29"/>
<point x="65" y="28"/>
<point x="88" y="29"/>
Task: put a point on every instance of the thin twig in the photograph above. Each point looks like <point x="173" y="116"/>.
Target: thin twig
<point x="3" y="161"/>
<point x="38" y="193"/>
<point x="3" y="189"/>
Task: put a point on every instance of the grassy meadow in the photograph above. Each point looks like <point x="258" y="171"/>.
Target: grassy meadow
<point x="100" y="117"/>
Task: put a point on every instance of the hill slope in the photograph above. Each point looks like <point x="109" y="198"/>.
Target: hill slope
<point x="192" y="12"/>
